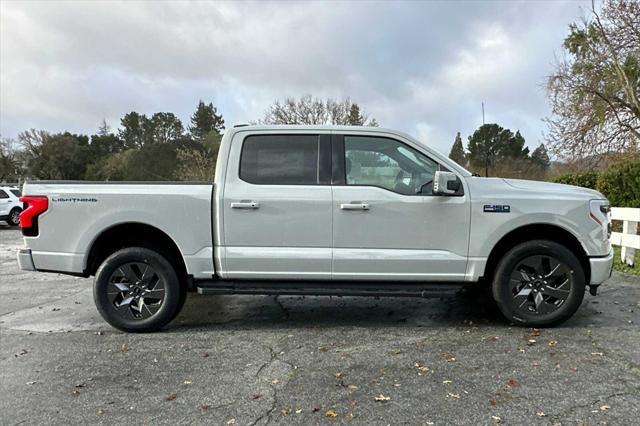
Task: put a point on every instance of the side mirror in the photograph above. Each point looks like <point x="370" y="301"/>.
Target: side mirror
<point x="445" y="183"/>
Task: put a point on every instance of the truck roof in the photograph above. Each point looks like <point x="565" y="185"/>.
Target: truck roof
<point x="245" y="126"/>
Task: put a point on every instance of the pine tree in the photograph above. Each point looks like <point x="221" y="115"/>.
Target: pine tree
<point x="457" y="153"/>
<point x="540" y="157"/>
<point x="204" y="120"/>
<point x="492" y="144"/>
<point x="355" y="118"/>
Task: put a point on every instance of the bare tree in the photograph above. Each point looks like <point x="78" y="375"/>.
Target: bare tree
<point x="310" y="110"/>
<point x="595" y="88"/>
<point x="31" y="140"/>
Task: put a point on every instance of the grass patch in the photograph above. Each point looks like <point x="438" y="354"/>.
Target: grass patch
<point x="618" y="265"/>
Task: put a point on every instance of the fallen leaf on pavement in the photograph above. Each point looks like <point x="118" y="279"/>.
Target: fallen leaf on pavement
<point x="449" y="357"/>
<point x="331" y="413"/>
<point x="553" y="343"/>
<point x="171" y="397"/>
<point x="513" y="383"/>
<point x="453" y="395"/>
<point x="540" y="414"/>
<point x="493" y="402"/>
<point x="496" y="419"/>
<point x="382" y="398"/>
<point x="446" y="382"/>
<point x="604" y="407"/>
<point x="421" y="369"/>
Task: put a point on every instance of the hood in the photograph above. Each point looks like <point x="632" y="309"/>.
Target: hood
<point x="556" y="188"/>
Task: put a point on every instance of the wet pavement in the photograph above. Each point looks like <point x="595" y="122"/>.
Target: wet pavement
<point x="308" y="360"/>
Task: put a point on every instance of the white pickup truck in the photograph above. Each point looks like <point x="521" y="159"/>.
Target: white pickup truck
<point x="321" y="211"/>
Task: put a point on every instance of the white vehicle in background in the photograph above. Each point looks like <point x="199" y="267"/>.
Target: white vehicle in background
<point x="10" y="205"/>
<point x="314" y="210"/>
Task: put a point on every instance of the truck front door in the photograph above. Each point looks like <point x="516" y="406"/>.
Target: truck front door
<point x="384" y="227"/>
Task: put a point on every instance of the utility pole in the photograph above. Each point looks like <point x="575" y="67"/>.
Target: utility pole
<point x="486" y="146"/>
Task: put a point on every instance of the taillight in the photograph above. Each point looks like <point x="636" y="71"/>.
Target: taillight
<point x="34" y="206"/>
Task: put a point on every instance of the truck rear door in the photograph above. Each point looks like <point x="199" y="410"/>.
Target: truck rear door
<point x="277" y="207"/>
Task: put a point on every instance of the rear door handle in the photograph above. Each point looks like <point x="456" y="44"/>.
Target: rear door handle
<point x="355" y="206"/>
<point x="247" y="205"/>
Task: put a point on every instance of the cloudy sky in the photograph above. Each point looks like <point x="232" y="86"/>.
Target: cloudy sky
<point x="420" y="67"/>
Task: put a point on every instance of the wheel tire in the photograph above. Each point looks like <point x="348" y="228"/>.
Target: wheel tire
<point x="505" y="295"/>
<point x="123" y="315"/>
<point x="14" y="217"/>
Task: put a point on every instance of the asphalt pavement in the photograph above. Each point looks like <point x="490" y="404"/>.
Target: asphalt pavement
<point x="312" y="360"/>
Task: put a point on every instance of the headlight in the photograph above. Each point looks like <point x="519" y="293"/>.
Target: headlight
<point x="600" y="212"/>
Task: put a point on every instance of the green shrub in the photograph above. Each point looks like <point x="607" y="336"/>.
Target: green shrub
<point x="585" y="179"/>
<point x="620" y="183"/>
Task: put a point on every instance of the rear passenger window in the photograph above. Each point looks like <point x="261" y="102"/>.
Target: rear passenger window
<point x="16" y="193"/>
<point x="280" y="159"/>
<point x="3" y="194"/>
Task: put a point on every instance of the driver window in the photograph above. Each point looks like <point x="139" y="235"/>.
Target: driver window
<point x="388" y="164"/>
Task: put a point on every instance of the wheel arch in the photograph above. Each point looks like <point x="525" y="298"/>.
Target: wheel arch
<point x="538" y="231"/>
<point x="134" y="234"/>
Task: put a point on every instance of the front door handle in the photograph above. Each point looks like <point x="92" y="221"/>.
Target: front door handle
<point x="247" y="205"/>
<point x="355" y="206"/>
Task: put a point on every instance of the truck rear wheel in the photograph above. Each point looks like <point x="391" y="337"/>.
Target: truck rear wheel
<point x="137" y="290"/>
<point x="539" y="283"/>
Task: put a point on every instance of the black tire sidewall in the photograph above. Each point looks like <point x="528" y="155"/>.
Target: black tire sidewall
<point x="9" y="221"/>
<point x="504" y="298"/>
<point x="173" y="290"/>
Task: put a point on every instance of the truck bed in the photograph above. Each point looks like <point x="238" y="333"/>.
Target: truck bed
<point x="80" y="211"/>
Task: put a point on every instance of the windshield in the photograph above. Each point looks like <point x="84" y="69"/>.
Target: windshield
<point x="441" y="157"/>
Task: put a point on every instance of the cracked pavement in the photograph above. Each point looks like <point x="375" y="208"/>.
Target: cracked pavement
<point x="259" y="359"/>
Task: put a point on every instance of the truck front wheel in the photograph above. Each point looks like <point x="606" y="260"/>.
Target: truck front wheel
<point x="137" y="290"/>
<point x="539" y="283"/>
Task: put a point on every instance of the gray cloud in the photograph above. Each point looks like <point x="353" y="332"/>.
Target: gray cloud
<point x="421" y="67"/>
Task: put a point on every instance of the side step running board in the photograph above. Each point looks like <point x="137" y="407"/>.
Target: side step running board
<point x="330" y="288"/>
